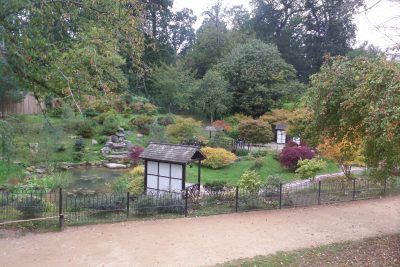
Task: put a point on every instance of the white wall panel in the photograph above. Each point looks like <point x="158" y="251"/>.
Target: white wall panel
<point x="164" y="169"/>
<point x="152" y="181"/>
<point x="176" y="185"/>
<point x="164" y="184"/>
<point x="176" y="171"/>
<point x="152" y="167"/>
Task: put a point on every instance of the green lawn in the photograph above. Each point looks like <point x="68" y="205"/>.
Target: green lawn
<point x="231" y="174"/>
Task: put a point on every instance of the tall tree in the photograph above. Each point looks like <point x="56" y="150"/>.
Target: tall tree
<point x="305" y="31"/>
<point x="67" y="47"/>
<point x="213" y="96"/>
<point x="360" y="98"/>
<point x="259" y="78"/>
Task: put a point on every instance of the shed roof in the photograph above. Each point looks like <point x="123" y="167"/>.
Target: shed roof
<point x="280" y="126"/>
<point x="172" y="153"/>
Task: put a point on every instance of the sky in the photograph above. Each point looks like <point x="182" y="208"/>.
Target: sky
<point x="372" y="25"/>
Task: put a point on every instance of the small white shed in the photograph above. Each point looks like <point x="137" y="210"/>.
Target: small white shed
<point x="165" y="166"/>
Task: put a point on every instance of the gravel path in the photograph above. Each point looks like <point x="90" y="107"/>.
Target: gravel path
<point x="204" y="240"/>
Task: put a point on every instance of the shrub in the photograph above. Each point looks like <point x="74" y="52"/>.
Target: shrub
<point x="258" y="164"/>
<point x="215" y="187"/>
<point x="255" y="131"/>
<point x="250" y="181"/>
<point x="110" y="125"/>
<point x="217" y="157"/>
<point x="259" y="153"/>
<point x="166" y="120"/>
<point x="183" y="130"/>
<point x="149" y="108"/>
<point x="290" y="156"/>
<point x="220" y="124"/>
<point x="308" y="168"/>
<point x="237" y="118"/>
<point x="29" y="206"/>
<point x="102" y="117"/>
<point x="220" y="140"/>
<point x="241" y="152"/>
<point x="85" y="128"/>
<point x="137" y="171"/>
<point x="90" y="113"/>
<point x="142" y="123"/>
<point x="134" y="153"/>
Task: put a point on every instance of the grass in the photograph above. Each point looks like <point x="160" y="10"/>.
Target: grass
<point x="231" y="174"/>
<point x="377" y="251"/>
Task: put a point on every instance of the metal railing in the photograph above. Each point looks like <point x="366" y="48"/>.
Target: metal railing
<point x="63" y="208"/>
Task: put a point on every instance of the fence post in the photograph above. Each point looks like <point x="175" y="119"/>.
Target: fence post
<point x="127" y="205"/>
<point x="237" y="199"/>
<point x="319" y="192"/>
<point x="280" y="195"/>
<point x="354" y="189"/>
<point x="384" y="186"/>
<point x="186" y="202"/>
<point x="61" y="218"/>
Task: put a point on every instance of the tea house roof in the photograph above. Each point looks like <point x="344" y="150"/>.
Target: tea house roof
<point x="281" y="126"/>
<point x="172" y="153"/>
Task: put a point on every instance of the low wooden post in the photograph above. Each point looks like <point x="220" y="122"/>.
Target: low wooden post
<point x="61" y="219"/>
<point x="354" y="189"/>
<point x="237" y="199"/>
<point x="384" y="187"/>
<point x="280" y="195"/>
<point x="127" y="205"/>
<point x="186" y="202"/>
<point x="319" y="192"/>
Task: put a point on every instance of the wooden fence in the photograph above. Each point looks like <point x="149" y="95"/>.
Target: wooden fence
<point x="28" y="105"/>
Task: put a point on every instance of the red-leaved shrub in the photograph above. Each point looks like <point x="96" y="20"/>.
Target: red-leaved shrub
<point x="290" y="156"/>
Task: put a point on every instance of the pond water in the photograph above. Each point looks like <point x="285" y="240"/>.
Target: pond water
<point x="92" y="180"/>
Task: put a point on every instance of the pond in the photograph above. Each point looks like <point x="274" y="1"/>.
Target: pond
<point x="92" y="180"/>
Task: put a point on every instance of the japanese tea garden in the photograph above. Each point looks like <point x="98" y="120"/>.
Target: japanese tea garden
<point x="88" y="88"/>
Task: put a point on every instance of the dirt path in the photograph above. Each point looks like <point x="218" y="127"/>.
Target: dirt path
<point x="204" y="240"/>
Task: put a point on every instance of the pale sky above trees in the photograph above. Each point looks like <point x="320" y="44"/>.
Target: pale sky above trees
<point x="374" y="25"/>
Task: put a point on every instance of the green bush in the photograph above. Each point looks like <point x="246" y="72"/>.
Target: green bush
<point x="29" y="206"/>
<point x="242" y="152"/>
<point x="79" y="148"/>
<point x="185" y="129"/>
<point x="110" y="125"/>
<point x="85" y="128"/>
<point x="258" y="164"/>
<point x="215" y="186"/>
<point x="259" y="153"/>
<point x="102" y="117"/>
<point x="308" y="168"/>
<point x="90" y="113"/>
<point x="142" y="123"/>
<point x="220" y="140"/>
<point x="217" y="157"/>
<point x="255" y="131"/>
<point x="166" y="120"/>
<point x="250" y="181"/>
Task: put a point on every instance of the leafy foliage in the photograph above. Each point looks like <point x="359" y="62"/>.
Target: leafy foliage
<point x="290" y="156"/>
<point x="213" y="96"/>
<point x="308" y="168"/>
<point x="358" y="98"/>
<point x="258" y="77"/>
<point x="217" y="157"/>
<point x="255" y="131"/>
<point x="250" y="181"/>
<point x="183" y="130"/>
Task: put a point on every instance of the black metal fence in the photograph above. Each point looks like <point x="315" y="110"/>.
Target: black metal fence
<point x="62" y="208"/>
